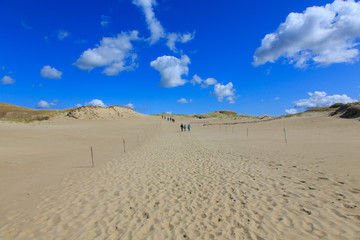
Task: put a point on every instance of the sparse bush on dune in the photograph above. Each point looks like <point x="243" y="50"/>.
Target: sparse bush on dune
<point x="349" y="110"/>
<point x="337" y="105"/>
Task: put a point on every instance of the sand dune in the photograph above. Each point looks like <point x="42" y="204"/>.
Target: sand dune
<point x="96" y="112"/>
<point x="215" y="182"/>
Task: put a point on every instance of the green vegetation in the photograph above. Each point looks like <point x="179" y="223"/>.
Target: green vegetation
<point x="319" y="109"/>
<point x="13" y="113"/>
<point x="337" y="105"/>
<point x="222" y="114"/>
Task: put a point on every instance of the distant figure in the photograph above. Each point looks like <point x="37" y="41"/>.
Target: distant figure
<point x="189" y="127"/>
<point x="173" y="120"/>
<point x="182" y="127"/>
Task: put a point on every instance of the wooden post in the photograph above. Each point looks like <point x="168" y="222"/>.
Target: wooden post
<point x="285" y="135"/>
<point x="92" y="156"/>
<point x="124" y="144"/>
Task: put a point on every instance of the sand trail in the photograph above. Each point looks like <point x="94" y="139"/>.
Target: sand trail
<point x="184" y="186"/>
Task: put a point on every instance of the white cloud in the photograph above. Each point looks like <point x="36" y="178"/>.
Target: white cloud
<point x="183" y="100"/>
<point x="62" y="34"/>
<point x="210" y="81"/>
<point x="325" y="35"/>
<point x="171" y="70"/>
<point x="95" y="102"/>
<point x="156" y="30"/>
<point x="6" y="80"/>
<point x="277" y="98"/>
<point x="225" y="91"/>
<point x="115" y="54"/>
<point x="78" y="105"/>
<point x="204" y="83"/>
<point x="291" y="111"/>
<point x="43" y="104"/>
<point x="50" y="72"/>
<point x="105" y="20"/>
<point x="168" y="112"/>
<point x="178" y="37"/>
<point x="196" y="80"/>
<point x="130" y="105"/>
<point x="320" y="99"/>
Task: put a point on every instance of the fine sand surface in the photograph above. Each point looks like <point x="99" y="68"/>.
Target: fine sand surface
<point x="216" y="182"/>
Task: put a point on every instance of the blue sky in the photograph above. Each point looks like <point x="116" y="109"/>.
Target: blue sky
<point x="263" y="57"/>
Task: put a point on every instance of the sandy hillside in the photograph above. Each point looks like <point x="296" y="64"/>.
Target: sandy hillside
<point x="216" y="182"/>
<point x="107" y="113"/>
<point x="9" y="111"/>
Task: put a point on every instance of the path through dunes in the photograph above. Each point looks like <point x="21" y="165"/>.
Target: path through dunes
<point x="189" y="186"/>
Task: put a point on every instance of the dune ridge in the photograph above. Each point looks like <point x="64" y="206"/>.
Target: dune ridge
<point x="109" y="113"/>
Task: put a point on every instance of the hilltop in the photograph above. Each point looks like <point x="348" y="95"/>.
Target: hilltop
<point x="16" y="113"/>
<point x="221" y="114"/>
<point x="96" y="112"/>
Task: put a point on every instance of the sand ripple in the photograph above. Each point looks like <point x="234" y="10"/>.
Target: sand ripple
<point x="181" y="187"/>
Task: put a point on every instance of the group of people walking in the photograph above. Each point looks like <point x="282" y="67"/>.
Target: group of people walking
<point x="183" y="127"/>
<point x="169" y="119"/>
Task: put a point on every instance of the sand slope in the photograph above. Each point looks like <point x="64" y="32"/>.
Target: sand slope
<point x="212" y="183"/>
<point x="96" y="112"/>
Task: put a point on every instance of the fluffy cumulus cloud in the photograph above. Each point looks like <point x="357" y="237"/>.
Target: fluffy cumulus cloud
<point x="43" y="104"/>
<point x="115" y="54"/>
<point x="220" y="91"/>
<point x="291" y="111"/>
<point x="130" y="105"/>
<point x="209" y="81"/>
<point x="95" y="102"/>
<point x="6" y="80"/>
<point x="171" y="69"/>
<point x="156" y="30"/>
<point x="50" y="72"/>
<point x="321" y="99"/>
<point x="323" y="35"/>
<point x="225" y="91"/>
<point x="184" y="100"/>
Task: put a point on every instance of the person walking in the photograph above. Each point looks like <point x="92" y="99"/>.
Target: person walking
<point x="189" y="127"/>
<point x="182" y="127"/>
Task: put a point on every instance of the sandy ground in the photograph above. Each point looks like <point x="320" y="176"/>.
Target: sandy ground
<point x="216" y="182"/>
